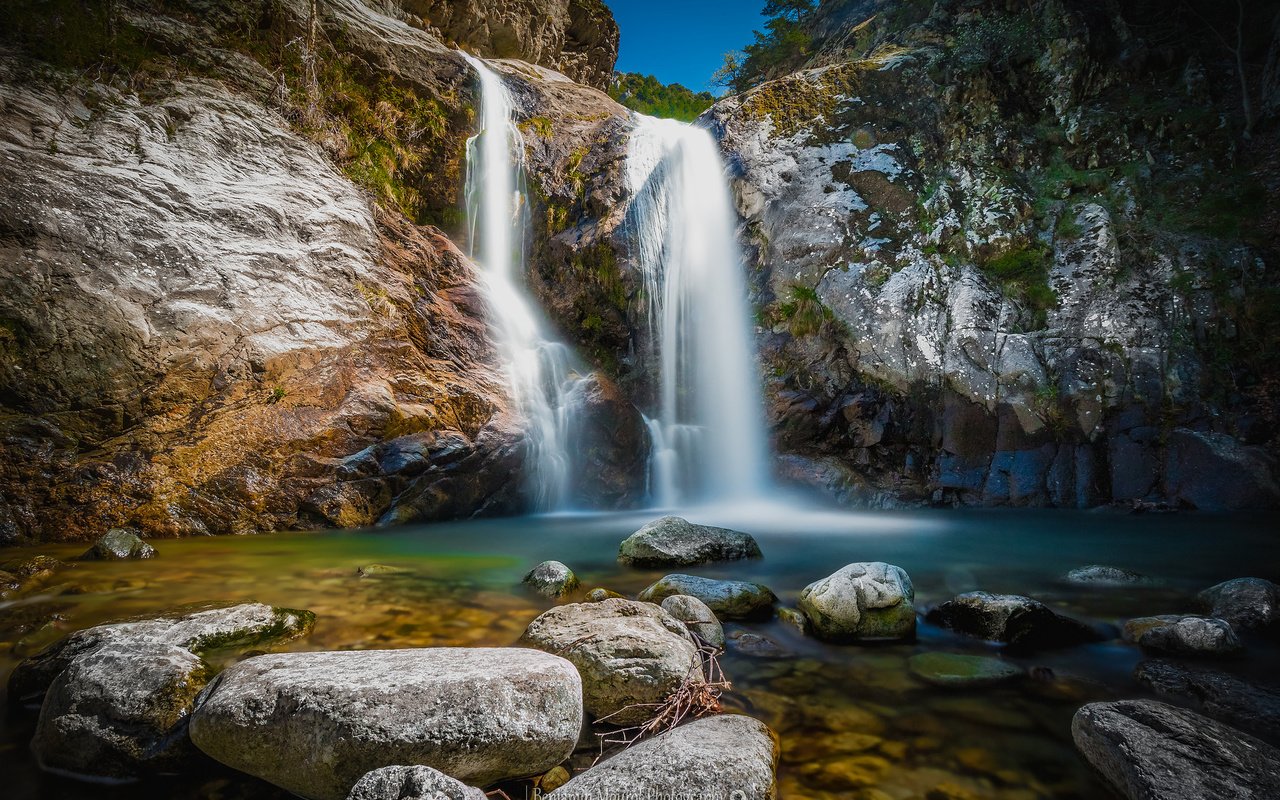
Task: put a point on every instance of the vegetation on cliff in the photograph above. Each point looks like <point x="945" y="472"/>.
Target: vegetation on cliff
<point x="647" y="95"/>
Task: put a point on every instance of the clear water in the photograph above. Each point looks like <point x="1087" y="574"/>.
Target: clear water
<point x="541" y="372"/>
<point x="849" y="718"/>
<point x="708" y="429"/>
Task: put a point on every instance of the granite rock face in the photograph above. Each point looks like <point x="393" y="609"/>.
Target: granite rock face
<point x="631" y="655"/>
<point x="317" y="723"/>
<point x="1147" y="749"/>
<point x="723" y="757"/>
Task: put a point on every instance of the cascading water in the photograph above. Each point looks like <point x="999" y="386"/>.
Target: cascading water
<point x="708" y="434"/>
<point x="540" y="370"/>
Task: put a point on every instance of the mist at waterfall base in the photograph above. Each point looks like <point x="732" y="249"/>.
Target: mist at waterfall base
<point x="708" y="443"/>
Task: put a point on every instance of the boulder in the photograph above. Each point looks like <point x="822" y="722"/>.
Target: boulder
<point x="724" y="757"/>
<point x="552" y="579"/>
<point x="1247" y="603"/>
<point x="1188" y="636"/>
<point x="316" y="723"/>
<point x="1103" y="576"/>
<point x="954" y="670"/>
<point x="412" y="783"/>
<point x="600" y="593"/>
<point x="119" y="544"/>
<point x="1239" y="703"/>
<point x="117" y="698"/>
<point x="729" y="599"/>
<point x="867" y="601"/>
<point x="1018" y="621"/>
<point x="697" y="617"/>
<point x="1217" y="472"/>
<point x="631" y="655"/>
<point x="1147" y="749"/>
<point x="676" y="542"/>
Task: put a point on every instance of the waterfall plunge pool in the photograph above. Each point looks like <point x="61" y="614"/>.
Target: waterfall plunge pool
<point x="849" y="717"/>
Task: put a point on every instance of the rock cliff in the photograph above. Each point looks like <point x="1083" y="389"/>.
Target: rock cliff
<point x="224" y="307"/>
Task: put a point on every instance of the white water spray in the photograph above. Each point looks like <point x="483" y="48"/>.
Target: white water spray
<point x="708" y="436"/>
<point x="539" y="369"/>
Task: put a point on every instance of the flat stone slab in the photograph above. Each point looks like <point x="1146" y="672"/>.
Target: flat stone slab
<point x="1148" y="750"/>
<point x="729" y="599"/>
<point x="676" y="542"/>
<point x="959" y="671"/>
<point x="316" y="723"/>
<point x="725" y="757"/>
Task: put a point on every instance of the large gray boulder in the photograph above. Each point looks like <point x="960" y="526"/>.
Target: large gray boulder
<point x="729" y="599"/>
<point x="119" y="544"/>
<point x="1020" y="622"/>
<point x="631" y="656"/>
<point x="1247" y="603"/>
<point x="1248" y="706"/>
<point x="676" y="542"/>
<point x="117" y="698"/>
<point x="1188" y="636"/>
<point x="412" y="783"/>
<point x="725" y="757"/>
<point x="316" y="723"/>
<point x="697" y="616"/>
<point x="552" y="579"/>
<point x="861" y="602"/>
<point x="1217" y="472"/>
<point x="1149" y="750"/>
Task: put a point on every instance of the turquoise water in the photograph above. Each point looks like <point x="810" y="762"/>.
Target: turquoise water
<point x="852" y="721"/>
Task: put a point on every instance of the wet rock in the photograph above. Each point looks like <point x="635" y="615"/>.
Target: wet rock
<point x="552" y="579"/>
<point x="117" y="545"/>
<point x="1146" y="749"/>
<point x="412" y="783"/>
<point x="861" y="602"/>
<point x="757" y="646"/>
<point x="1247" y="603"/>
<point x="600" y="593"/>
<point x="1216" y="472"/>
<point x="954" y="670"/>
<point x="729" y="599"/>
<point x="610" y="443"/>
<point x="720" y="757"/>
<point x="1188" y="636"/>
<point x="794" y="619"/>
<point x="29" y="567"/>
<point x="1101" y="575"/>
<point x="676" y="542"/>
<point x="697" y="617"/>
<point x="1018" y="621"/>
<point x="316" y="723"/>
<point x="117" y="698"/>
<point x="630" y="655"/>
<point x="1223" y="696"/>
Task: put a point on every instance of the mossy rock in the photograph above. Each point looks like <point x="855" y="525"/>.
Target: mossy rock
<point x="957" y="671"/>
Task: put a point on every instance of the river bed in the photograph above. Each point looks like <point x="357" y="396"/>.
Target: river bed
<point x="852" y="720"/>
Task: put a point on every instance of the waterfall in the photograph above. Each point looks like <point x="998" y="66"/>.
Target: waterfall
<point x="708" y="433"/>
<point x="540" y="371"/>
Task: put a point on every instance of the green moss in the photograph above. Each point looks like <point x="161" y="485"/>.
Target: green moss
<point x="287" y="624"/>
<point x="539" y="126"/>
<point x="802" y="311"/>
<point x="794" y="104"/>
<point x="1023" y="274"/>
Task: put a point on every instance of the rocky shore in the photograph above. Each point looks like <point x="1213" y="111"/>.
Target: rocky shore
<point x="641" y="681"/>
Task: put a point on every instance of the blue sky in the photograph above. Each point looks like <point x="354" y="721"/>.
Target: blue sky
<point x="683" y="41"/>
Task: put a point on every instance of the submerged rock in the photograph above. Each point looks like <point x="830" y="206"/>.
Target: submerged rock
<point x="117" y="698"/>
<point x="119" y="544"/>
<point x="794" y="619"/>
<point x="861" y="602"/>
<point x="729" y="599"/>
<point x="1247" y="603"/>
<point x="316" y="723"/>
<point x="724" y="757"/>
<point x="1146" y="749"/>
<point x="552" y="579"/>
<point x="953" y="670"/>
<point x="1239" y="703"/>
<point x="412" y="783"/>
<point x="1101" y="575"/>
<point x="1015" y="620"/>
<point x="631" y="655"/>
<point x="697" y="617"/>
<point x="1189" y="636"/>
<point x="676" y="542"/>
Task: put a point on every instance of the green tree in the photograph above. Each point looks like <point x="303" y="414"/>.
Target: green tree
<point x="647" y="95"/>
